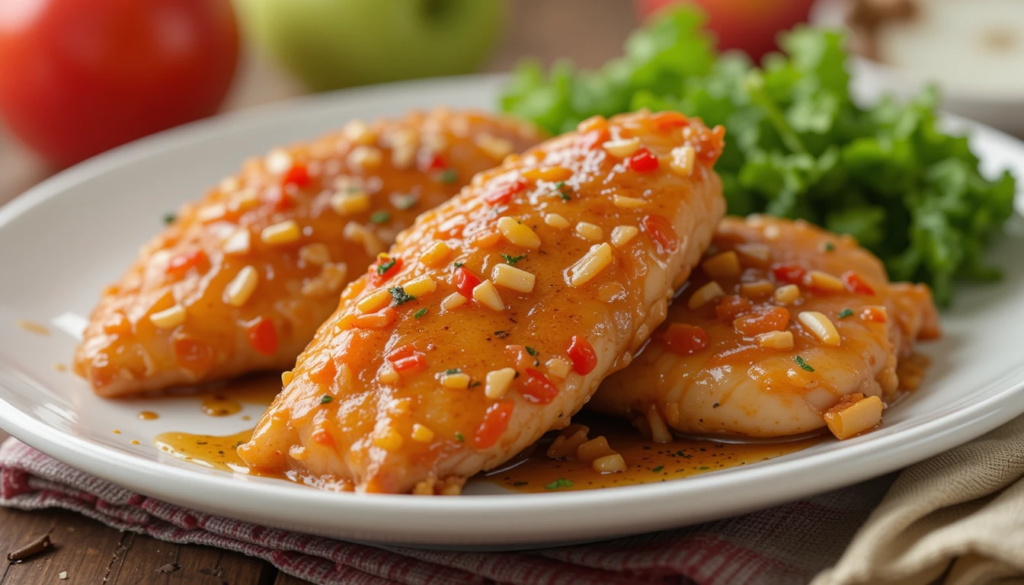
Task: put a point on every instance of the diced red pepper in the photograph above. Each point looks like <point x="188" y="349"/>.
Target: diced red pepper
<point x="262" y="335"/>
<point x="182" y="263"/>
<point x="774" y="319"/>
<point x="854" y="283"/>
<point x="194" y="355"/>
<point x="594" y="138"/>
<point x="661" y="232"/>
<point x="536" y="388"/>
<point x="504" y="194"/>
<point x="731" y="307"/>
<point x="582" y="354"/>
<point x="383" y="269"/>
<point x="790" y="273"/>
<point x="466" y="281"/>
<point x="433" y="162"/>
<point x="407" y="359"/>
<point x="874" y="314"/>
<point x="494" y="424"/>
<point x="643" y="161"/>
<point x="297" y="175"/>
<point x="684" y="339"/>
<point x="324" y="372"/>
<point x="663" y="121"/>
<point x="283" y="201"/>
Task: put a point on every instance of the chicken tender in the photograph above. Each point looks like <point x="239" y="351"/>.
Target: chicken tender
<point x="783" y="323"/>
<point x="240" y="281"/>
<point x="495" y="317"/>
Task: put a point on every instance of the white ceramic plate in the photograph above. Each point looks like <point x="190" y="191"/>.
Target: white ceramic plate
<point x="61" y="242"/>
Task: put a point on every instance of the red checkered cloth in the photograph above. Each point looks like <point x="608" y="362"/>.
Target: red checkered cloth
<point x="786" y="544"/>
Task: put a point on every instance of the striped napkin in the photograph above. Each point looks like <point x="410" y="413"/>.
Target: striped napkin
<point x="959" y="515"/>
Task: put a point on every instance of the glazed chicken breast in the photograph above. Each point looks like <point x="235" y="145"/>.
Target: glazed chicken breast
<point x="784" y="327"/>
<point x="495" y="317"/>
<point x="240" y="280"/>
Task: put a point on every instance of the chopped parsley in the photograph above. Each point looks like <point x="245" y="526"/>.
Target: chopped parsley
<point x="845" y="313"/>
<point x="326" y="399"/>
<point x="531" y="351"/>
<point x="169" y="218"/>
<point x="382" y="268"/>
<point x="559" y="483"/>
<point x="829" y="246"/>
<point x="451" y="371"/>
<point x="803" y="365"/>
<point x="512" y="260"/>
<point x="560" y="186"/>
<point x="715" y="405"/>
<point x="405" y="201"/>
<point x="458" y="264"/>
<point x="658" y="468"/>
<point x="474" y="383"/>
<point x="379" y="217"/>
<point x="399" y="296"/>
<point x="459" y="436"/>
<point x="420" y="313"/>
<point x="448" y="176"/>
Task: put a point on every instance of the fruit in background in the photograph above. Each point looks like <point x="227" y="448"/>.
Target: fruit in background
<point x="78" y="77"/>
<point x="338" y="43"/>
<point x="747" y="25"/>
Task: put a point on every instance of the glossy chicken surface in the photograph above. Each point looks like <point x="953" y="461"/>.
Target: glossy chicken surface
<point x="494" y="318"/>
<point x="241" y="280"/>
<point x="745" y="350"/>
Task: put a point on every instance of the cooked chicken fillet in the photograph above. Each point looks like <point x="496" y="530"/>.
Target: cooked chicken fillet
<point x="241" y="280"/>
<point x="781" y="323"/>
<point x="494" y="318"/>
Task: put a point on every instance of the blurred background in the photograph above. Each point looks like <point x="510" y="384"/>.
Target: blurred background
<point x="80" y="76"/>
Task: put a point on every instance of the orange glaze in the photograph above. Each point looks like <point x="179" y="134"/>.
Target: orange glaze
<point x="220" y="405"/>
<point x="294" y="226"/>
<point x="400" y="394"/>
<point x="147" y="415"/>
<point x="647" y="462"/>
<point x="216" y="452"/>
<point x="32" y="327"/>
<point x="740" y="384"/>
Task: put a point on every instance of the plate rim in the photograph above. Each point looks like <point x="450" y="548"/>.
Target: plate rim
<point x="509" y="515"/>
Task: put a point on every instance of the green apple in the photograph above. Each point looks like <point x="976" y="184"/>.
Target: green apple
<point x="338" y="43"/>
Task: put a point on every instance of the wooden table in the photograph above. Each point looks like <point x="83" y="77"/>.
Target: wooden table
<point x="587" y="31"/>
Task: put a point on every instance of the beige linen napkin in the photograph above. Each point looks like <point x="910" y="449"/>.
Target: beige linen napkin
<point x="961" y="512"/>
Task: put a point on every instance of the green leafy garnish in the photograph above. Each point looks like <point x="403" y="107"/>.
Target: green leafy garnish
<point x="845" y="313"/>
<point x="399" y="296"/>
<point x="380" y="217"/>
<point x="531" y="351"/>
<point x="419" y="314"/>
<point x="404" y="201"/>
<point x="560" y="187"/>
<point x="513" y="259"/>
<point x="326" y="399"/>
<point x="451" y="371"/>
<point x="458" y="264"/>
<point x="459" y="436"/>
<point x="797" y="144"/>
<point x="803" y="365"/>
<point x="658" y="468"/>
<point x="169" y="218"/>
<point x="829" y="246"/>
<point x="558" y="483"/>
<point x="447" y="176"/>
<point x="385" y="266"/>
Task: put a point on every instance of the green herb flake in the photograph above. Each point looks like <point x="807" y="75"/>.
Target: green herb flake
<point x="419" y="314"/>
<point x="828" y="247"/>
<point x="448" y="176"/>
<point x="326" y="399"/>
<point x="382" y="268"/>
<point x="404" y="201"/>
<point x="379" y="217"/>
<point x="459" y="264"/>
<point x="558" y="484"/>
<point x="845" y="313"/>
<point x="451" y="371"/>
<point x="169" y="218"/>
<point x="520" y="483"/>
<point x="399" y="296"/>
<point x="513" y="260"/>
<point x="658" y="469"/>
<point x="531" y="351"/>
<point x="460" y="437"/>
<point x="803" y="365"/>
<point x="474" y="383"/>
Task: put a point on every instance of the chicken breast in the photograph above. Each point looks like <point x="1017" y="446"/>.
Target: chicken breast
<point x="240" y="281"/>
<point x="494" y="318"/>
<point x="783" y="322"/>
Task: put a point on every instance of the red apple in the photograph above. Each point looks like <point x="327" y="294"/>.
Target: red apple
<point x="747" y="25"/>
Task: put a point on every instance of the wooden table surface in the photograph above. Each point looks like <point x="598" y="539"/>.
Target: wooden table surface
<point x="587" y="31"/>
